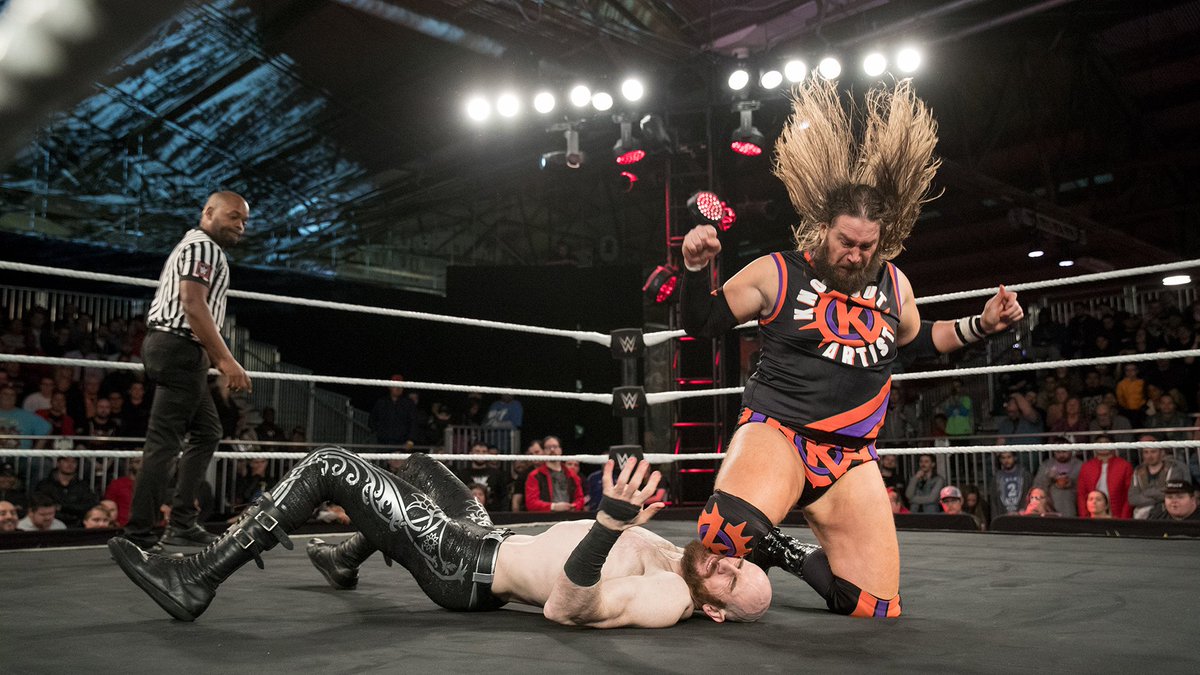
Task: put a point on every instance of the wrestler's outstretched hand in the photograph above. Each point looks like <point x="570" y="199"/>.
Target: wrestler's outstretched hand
<point x="1001" y="311"/>
<point x="700" y="246"/>
<point x="629" y="489"/>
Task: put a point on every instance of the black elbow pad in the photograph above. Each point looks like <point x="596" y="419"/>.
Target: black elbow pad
<point x="704" y="314"/>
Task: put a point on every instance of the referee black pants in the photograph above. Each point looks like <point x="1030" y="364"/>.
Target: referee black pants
<point x="183" y="406"/>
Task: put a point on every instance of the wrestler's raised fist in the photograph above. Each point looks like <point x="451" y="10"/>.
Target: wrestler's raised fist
<point x="700" y="246"/>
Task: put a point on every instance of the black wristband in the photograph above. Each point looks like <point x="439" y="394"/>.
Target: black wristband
<point x="583" y="567"/>
<point x="619" y="509"/>
<point x="922" y="346"/>
<point x="702" y="313"/>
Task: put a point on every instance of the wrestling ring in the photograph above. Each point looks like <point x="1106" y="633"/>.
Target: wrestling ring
<point x="974" y="602"/>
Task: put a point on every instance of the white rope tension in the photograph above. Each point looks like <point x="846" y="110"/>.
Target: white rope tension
<point x="587" y="336"/>
<point x="668" y="396"/>
<point x="1062" y="281"/>
<point x="654" y="458"/>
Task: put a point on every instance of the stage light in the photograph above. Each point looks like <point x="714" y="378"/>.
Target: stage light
<point x="661" y="285"/>
<point x="572" y="158"/>
<point x="655" y="135"/>
<point x="543" y="102"/>
<point x="738" y="79"/>
<point x="908" y="60"/>
<point x="770" y="79"/>
<point x="478" y="108"/>
<point x="1036" y="250"/>
<point x="746" y="139"/>
<point x="602" y="101"/>
<point x="632" y="89"/>
<point x="874" y="64"/>
<point x="507" y="105"/>
<point x="795" y="70"/>
<point x="706" y="207"/>
<point x="580" y="96"/>
<point x="1176" y="280"/>
<point x="1066" y="262"/>
<point x="628" y="150"/>
<point x="829" y="68"/>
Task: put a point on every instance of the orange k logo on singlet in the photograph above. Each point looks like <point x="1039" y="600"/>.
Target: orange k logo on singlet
<point x="853" y="325"/>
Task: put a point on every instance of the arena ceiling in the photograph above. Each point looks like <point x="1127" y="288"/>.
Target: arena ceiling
<point x="342" y="122"/>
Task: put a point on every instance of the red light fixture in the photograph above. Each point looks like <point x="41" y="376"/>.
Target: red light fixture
<point x="628" y="178"/>
<point x="661" y="285"/>
<point x="631" y="157"/>
<point x="627" y="150"/>
<point x="746" y="139"/>
<point x="747" y="148"/>
<point x="706" y="207"/>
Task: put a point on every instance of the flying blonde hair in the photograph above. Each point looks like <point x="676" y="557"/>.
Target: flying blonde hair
<point x="824" y="169"/>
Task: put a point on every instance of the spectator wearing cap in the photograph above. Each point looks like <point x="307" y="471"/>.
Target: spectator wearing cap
<point x="1010" y="485"/>
<point x="8" y="516"/>
<point x="1179" y="502"/>
<point x="1150" y="478"/>
<point x="951" y="500"/>
<point x="1109" y="475"/>
<point x="1058" y="476"/>
<point x="393" y="417"/>
<point x="41" y="516"/>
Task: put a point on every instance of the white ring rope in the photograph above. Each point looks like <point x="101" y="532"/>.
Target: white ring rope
<point x="324" y="379"/>
<point x="1062" y="281"/>
<point x="588" y="336"/>
<point x="667" y="396"/>
<point x="652" y="339"/>
<point x="652" y="398"/>
<point x="654" y="458"/>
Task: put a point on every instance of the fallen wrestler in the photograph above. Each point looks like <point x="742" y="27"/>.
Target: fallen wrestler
<point x="832" y="315"/>
<point x="606" y="573"/>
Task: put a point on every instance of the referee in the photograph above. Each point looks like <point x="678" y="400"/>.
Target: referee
<point x="184" y="340"/>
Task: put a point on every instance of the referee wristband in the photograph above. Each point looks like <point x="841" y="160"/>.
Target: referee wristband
<point x="969" y="329"/>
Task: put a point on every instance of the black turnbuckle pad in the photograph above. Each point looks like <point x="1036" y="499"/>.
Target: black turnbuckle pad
<point x="627" y="343"/>
<point x="629" y="401"/>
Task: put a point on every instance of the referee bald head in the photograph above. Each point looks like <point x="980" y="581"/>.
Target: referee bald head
<point x="224" y="217"/>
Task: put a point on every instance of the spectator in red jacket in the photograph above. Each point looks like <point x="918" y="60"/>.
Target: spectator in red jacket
<point x="1118" y="475"/>
<point x="551" y="486"/>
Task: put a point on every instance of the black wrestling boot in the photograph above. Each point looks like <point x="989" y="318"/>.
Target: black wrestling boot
<point x="339" y="563"/>
<point x="777" y="549"/>
<point x="184" y="587"/>
<point x="191" y="536"/>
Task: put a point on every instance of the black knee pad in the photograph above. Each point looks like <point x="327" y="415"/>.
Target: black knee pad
<point x="731" y="526"/>
<point x="850" y="600"/>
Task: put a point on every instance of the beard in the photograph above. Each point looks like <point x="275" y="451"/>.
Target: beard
<point x="694" y="555"/>
<point x="847" y="281"/>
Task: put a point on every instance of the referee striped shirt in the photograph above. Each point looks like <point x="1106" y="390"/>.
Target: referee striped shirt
<point x="195" y="258"/>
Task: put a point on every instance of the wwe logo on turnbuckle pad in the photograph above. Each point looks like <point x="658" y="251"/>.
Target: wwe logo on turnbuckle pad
<point x="620" y="454"/>
<point x="629" y="401"/>
<point x="627" y="343"/>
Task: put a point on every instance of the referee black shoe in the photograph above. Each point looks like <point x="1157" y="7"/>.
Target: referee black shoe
<point x="191" y="536"/>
